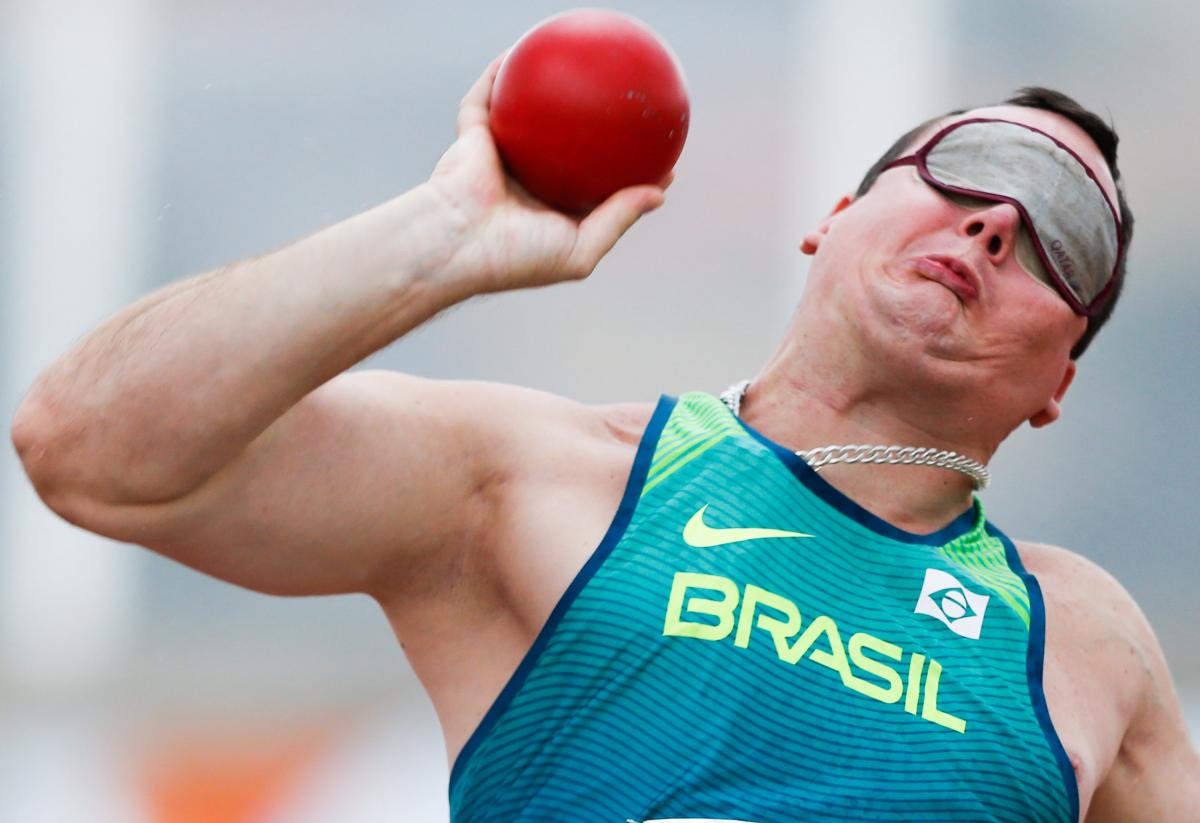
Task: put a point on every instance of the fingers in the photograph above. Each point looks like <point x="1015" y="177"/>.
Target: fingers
<point x="600" y="230"/>
<point x="473" y="110"/>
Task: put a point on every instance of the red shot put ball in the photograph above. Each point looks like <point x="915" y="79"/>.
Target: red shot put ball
<point x="588" y="102"/>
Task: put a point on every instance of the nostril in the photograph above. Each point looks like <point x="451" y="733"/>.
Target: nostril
<point x="974" y="229"/>
<point x="994" y="245"/>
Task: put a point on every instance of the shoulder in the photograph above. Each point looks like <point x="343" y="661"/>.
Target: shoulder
<point x="1086" y="603"/>
<point x="1085" y="594"/>
<point x="527" y="466"/>
<point x="1056" y="562"/>
<point x="1092" y="613"/>
<point x="514" y="436"/>
<point x="504" y="412"/>
<point x="1094" y="629"/>
<point x="505" y="441"/>
<point x="1098" y="633"/>
<point x="625" y="422"/>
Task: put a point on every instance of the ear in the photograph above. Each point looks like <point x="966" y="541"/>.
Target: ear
<point x="812" y="240"/>
<point x="1052" y="411"/>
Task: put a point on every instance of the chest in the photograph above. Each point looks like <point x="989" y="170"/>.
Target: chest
<point x="559" y="521"/>
<point x="1083" y="705"/>
<point x="789" y="686"/>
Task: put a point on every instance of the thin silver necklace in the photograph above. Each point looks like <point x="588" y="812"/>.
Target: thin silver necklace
<point x="895" y="455"/>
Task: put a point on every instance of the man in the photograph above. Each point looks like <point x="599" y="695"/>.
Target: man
<point x="751" y="640"/>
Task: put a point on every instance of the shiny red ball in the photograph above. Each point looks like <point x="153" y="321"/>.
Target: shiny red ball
<point x="586" y="103"/>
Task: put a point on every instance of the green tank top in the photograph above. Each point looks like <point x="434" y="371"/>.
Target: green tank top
<point x="749" y="644"/>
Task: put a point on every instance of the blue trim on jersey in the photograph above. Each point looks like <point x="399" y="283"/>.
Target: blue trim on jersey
<point x="616" y="529"/>
<point x="820" y="487"/>
<point x="1034" y="666"/>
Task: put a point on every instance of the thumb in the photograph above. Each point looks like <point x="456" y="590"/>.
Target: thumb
<point x="604" y="226"/>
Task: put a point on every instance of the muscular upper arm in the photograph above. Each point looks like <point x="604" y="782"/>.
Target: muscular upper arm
<point x="1150" y="769"/>
<point x="376" y="481"/>
<point x="1156" y="774"/>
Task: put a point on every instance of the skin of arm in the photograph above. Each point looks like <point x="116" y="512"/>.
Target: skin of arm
<point x="1122" y="711"/>
<point x="1156" y="774"/>
<point x="212" y="422"/>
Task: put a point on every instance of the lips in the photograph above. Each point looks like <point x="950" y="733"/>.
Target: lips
<point x="951" y="272"/>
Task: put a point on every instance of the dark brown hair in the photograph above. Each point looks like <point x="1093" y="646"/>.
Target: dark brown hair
<point x="1101" y="133"/>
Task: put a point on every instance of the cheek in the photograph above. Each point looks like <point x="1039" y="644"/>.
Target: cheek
<point x="1035" y="322"/>
<point x="897" y="218"/>
<point x="878" y="228"/>
<point x="921" y="222"/>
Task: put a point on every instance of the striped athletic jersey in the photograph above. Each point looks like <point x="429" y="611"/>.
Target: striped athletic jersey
<point x="749" y="644"/>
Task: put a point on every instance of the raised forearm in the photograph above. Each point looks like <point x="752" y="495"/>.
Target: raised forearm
<point x="164" y="395"/>
<point x="161" y="396"/>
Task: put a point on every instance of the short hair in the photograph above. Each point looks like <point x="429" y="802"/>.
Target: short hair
<point x="1101" y="133"/>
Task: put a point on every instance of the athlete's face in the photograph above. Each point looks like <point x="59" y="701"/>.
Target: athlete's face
<point x="938" y="281"/>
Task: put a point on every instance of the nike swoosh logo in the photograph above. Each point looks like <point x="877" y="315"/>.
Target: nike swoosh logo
<point x="699" y="534"/>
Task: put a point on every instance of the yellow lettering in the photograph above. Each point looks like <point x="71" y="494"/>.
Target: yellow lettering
<point x="862" y="640"/>
<point x="834" y="659"/>
<point x="780" y="630"/>
<point x="695" y="596"/>
<point x="915" y="664"/>
<point x="721" y="609"/>
<point x="930" y="710"/>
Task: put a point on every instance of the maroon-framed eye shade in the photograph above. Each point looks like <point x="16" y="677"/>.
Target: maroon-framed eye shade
<point x="1074" y="228"/>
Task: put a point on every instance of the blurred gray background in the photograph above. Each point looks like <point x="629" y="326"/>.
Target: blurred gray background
<point x="143" y="142"/>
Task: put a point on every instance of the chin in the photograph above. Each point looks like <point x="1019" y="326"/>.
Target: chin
<point x="919" y="314"/>
<point x="916" y="339"/>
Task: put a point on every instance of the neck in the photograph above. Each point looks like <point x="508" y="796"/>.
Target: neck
<point x="800" y="405"/>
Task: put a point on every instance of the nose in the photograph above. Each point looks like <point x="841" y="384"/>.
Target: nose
<point x="996" y="227"/>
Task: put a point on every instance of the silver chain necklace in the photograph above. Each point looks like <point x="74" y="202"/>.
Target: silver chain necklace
<point x="895" y="455"/>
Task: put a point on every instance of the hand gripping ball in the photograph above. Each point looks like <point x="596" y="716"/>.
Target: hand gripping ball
<point x="586" y="103"/>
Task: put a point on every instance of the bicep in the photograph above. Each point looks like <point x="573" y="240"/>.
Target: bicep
<point x="1156" y="775"/>
<point x="372" y="477"/>
<point x="1148" y="769"/>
